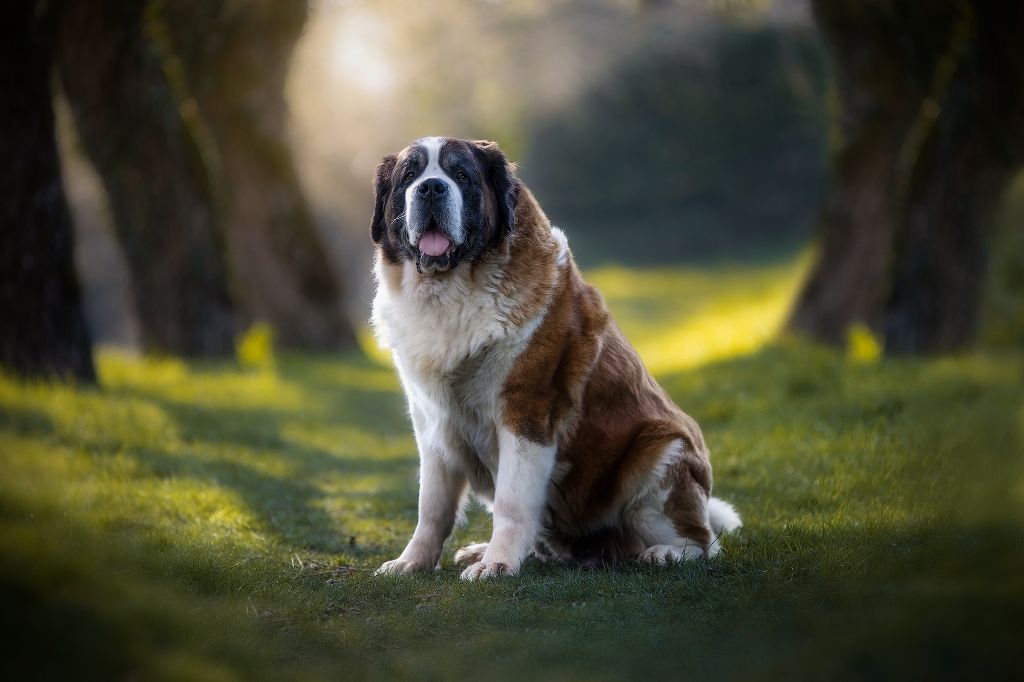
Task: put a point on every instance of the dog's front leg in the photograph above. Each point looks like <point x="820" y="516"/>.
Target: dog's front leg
<point x="441" y="489"/>
<point x="520" y="493"/>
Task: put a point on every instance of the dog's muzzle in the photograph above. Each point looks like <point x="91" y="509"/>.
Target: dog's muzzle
<point x="432" y="226"/>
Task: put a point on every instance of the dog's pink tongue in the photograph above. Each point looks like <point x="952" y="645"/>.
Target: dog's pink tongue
<point x="433" y="243"/>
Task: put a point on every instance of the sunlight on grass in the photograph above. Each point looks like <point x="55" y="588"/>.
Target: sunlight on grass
<point x="211" y="519"/>
<point x="204" y="385"/>
<point x="349" y="441"/>
<point x="682" y="319"/>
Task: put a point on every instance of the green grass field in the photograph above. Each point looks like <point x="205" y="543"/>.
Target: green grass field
<point x="222" y="521"/>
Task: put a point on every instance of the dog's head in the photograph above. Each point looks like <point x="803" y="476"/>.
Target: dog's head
<point x="443" y="201"/>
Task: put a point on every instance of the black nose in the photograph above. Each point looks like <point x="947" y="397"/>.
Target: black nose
<point x="432" y="187"/>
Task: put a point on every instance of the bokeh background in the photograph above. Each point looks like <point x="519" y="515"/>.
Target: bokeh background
<point x="654" y="133"/>
<point x="807" y="216"/>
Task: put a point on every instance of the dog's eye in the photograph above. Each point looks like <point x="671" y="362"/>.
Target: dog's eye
<point x="409" y="175"/>
<point x="461" y="177"/>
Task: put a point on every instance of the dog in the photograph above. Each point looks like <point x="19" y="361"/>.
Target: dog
<point x="521" y="388"/>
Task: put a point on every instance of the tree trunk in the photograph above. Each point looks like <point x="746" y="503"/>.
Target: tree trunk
<point x="42" y="324"/>
<point x="281" y="271"/>
<point x="181" y="107"/>
<point x="931" y="95"/>
<point x="146" y="148"/>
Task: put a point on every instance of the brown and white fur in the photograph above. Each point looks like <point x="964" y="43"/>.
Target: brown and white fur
<point x="521" y="387"/>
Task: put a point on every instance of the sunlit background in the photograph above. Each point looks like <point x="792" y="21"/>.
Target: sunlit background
<point x="212" y="502"/>
<point x="652" y="133"/>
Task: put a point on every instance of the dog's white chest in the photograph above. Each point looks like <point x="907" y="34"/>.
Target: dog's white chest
<point x="453" y="345"/>
<point x="436" y="324"/>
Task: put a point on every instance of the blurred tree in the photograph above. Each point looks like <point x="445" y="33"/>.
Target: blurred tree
<point x="180" y="107"/>
<point x="931" y="96"/>
<point x="236" y="57"/>
<point x="161" y="195"/>
<point x="42" y="325"/>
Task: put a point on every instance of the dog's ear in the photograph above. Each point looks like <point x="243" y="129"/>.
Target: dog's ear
<point x="381" y="190"/>
<point x="501" y="175"/>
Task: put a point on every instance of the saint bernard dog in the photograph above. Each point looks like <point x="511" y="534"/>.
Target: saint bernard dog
<point x="521" y="387"/>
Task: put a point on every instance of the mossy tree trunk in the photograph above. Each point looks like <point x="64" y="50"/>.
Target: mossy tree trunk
<point x="280" y="269"/>
<point x="931" y="98"/>
<point x="181" y="107"/>
<point x="162" y="199"/>
<point x="42" y="323"/>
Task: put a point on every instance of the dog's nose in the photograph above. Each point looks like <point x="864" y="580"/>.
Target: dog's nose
<point x="432" y="187"/>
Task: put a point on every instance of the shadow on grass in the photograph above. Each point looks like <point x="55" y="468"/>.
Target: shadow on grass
<point x="879" y="541"/>
<point x="843" y="602"/>
<point x="313" y="478"/>
<point x="291" y="502"/>
<point x="87" y="603"/>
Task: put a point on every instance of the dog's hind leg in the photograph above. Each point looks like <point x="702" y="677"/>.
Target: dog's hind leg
<point x="678" y="524"/>
<point x="687" y="504"/>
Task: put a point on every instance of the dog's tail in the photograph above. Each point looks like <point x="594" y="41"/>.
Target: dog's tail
<point x="723" y="516"/>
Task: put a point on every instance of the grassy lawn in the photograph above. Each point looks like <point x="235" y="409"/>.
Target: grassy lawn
<point x="212" y="521"/>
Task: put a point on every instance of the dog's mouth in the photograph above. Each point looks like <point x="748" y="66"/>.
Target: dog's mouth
<point x="434" y="242"/>
<point x="435" y="251"/>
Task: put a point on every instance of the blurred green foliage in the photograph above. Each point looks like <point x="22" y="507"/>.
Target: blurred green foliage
<point x="651" y="132"/>
<point x="714" y="150"/>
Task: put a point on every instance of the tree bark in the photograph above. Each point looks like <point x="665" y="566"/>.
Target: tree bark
<point x="930" y="97"/>
<point x="162" y="200"/>
<point x="181" y="107"/>
<point x="280" y="269"/>
<point x="42" y="324"/>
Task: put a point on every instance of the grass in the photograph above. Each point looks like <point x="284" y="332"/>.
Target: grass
<point x="205" y="521"/>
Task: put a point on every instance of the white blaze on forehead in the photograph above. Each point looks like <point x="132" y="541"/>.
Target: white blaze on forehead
<point x="433" y="146"/>
<point x="414" y="223"/>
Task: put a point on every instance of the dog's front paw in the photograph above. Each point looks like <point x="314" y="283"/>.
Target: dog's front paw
<point x="482" y="570"/>
<point x="470" y="554"/>
<point x="402" y="566"/>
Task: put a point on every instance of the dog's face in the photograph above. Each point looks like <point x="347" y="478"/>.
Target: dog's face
<point x="443" y="201"/>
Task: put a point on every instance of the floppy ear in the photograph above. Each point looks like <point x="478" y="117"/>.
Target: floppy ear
<point x="381" y="190"/>
<point x="501" y="175"/>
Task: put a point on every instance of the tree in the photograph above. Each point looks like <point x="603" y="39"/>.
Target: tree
<point x="280" y="270"/>
<point x="180" y="107"/>
<point x="931" y="94"/>
<point x="149" y="154"/>
<point x="42" y="324"/>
